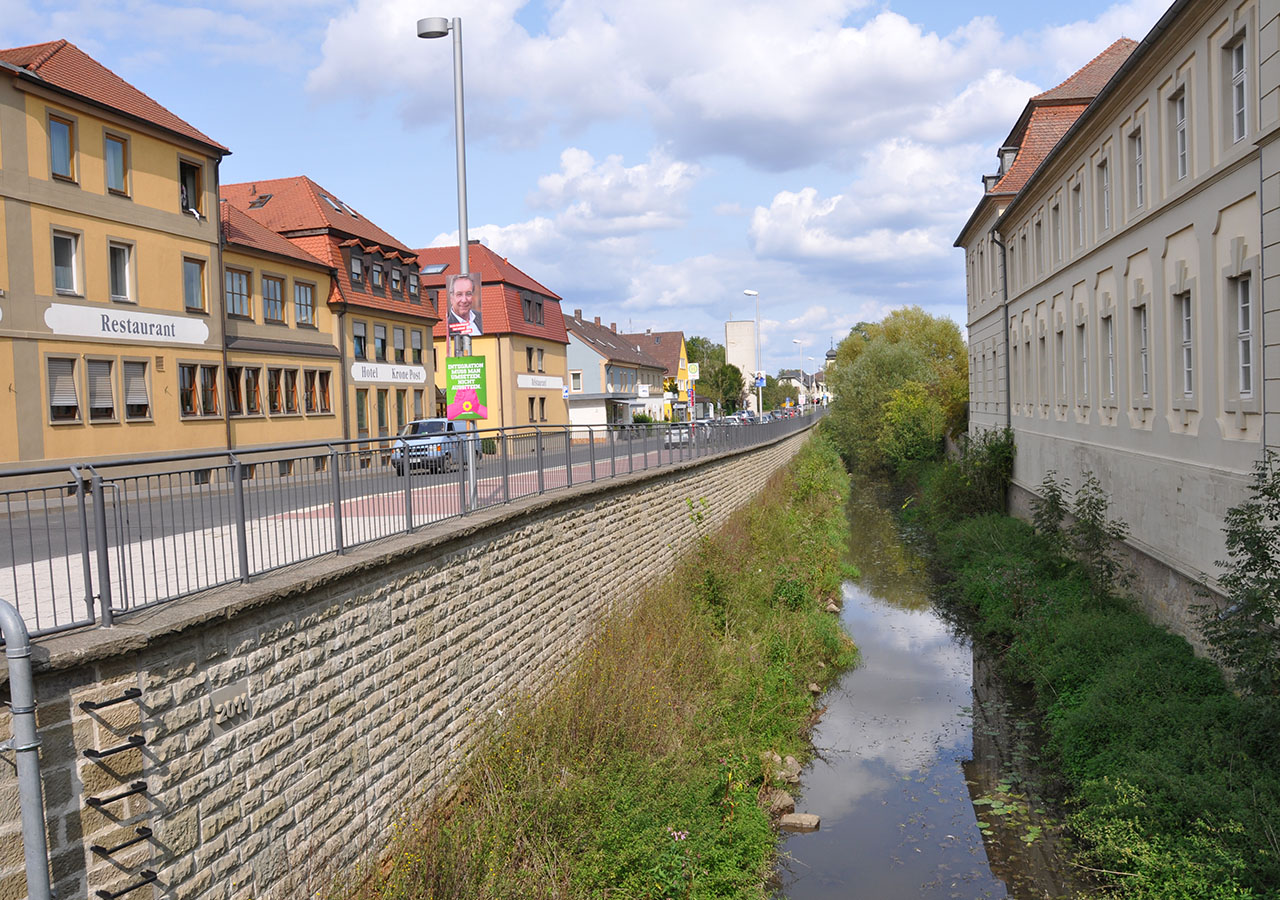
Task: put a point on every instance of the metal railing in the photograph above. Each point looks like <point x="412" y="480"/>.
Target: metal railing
<point x="82" y="544"/>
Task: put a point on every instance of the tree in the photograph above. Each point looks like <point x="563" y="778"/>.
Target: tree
<point x="710" y="359"/>
<point x="912" y="428"/>
<point x="729" y="386"/>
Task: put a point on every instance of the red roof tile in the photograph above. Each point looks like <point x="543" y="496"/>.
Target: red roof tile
<point x="65" y="66"/>
<point x="664" y="346"/>
<point x="501" y="306"/>
<point x="241" y="230"/>
<point x="299" y="204"/>
<point x="1092" y="77"/>
<point x="609" y="344"/>
<point x="1045" y="128"/>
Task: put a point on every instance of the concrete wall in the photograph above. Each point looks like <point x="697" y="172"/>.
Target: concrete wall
<point x="289" y="722"/>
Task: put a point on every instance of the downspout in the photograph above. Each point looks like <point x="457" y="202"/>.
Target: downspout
<point x="220" y="289"/>
<point x="26" y="746"/>
<point x="342" y="355"/>
<point x="1004" y="291"/>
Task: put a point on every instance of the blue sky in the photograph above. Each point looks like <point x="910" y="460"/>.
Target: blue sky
<point x="646" y="161"/>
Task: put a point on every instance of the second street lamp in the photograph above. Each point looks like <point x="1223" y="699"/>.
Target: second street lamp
<point x="757" y="375"/>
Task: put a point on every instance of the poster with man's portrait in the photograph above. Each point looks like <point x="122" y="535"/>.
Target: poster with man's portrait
<point x="463" y="292"/>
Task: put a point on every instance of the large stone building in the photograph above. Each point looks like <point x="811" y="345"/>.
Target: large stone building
<point x="1116" y="295"/>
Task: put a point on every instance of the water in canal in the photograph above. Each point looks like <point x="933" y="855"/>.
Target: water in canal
<point x="924" y="772"/>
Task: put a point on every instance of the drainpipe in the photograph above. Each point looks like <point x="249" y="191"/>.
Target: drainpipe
<point x="26" y="746"/>
<point x="1004" y="291"/>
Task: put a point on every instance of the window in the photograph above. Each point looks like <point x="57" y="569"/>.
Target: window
<point x="1182" y="308"/>
<point x="272" y="299"/>
<point x="415" y="339"/>
<point x="531" y="418"/>
<point x="382" y="412"/>
<point x="116" y="156"/>
<point x="402" y="404"/>
<point x="362" y="413"/>
<point x="323" y="393"/>
<point x="397" y="338"/>
<point x="62" y="148"/>
<point x="235" y="396"/>
<point x="102" y="400"/>
<point x="187" y="389"/>
<point x="274" y="402"/>
<point x="542" y="409"/>
<point x="1039" y="246"/>
<point x="532" y="309"/>
<point x="237" y="291"/>
<point x="253" y="391"/>
<point x="417" y="404"/>
<point x="359" y="342"/>
<point x="528" y="359"/>
<point x="1179" y="117"/>
<point x="1239" y="91"/>
<point x="377" y="275"/>
<point x="1142" y="326"/>
<point x="304" y="304"/>
<point x="260" y="201"/>
<point x="395" y="280"/>
<point x="1055" y="217"/>
<point x="575" y="381"/>
<point x="1077" y="215"/>
<point x="191" y="188"/>
<point x="311" y="398"/>
<point x="1244" y="333"/>
<point x="380" y="343"/>
<point x="1060" y="357"/>
<point x="193" y="285"/>
<point x="1109" y="349"/>
<point x="1104" y="195"/>
<point x="64" y="401"/>
<point x="291" y="390"/>
<point x="66" y="262"/>
<point x="209" y="390"/>
<point x="413" y="287"/>
<point x="1082" y="363"/>
<point x="540" y="369"/>
<point x="1138" y="169"/>
<point x="137" y="400"/>
<point x="357" y="269"/>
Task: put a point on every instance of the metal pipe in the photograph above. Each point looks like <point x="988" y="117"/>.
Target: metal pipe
<point x="104" y="556"/>
<point x="25" y="744"/>
<point x="1004" y="290"/>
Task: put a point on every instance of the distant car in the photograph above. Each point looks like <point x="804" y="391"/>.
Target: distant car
<point x="435" y="444"/>
<point x="677" y="434"/>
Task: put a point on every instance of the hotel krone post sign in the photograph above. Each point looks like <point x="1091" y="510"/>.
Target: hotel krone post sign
<point x="398" y="373"/>
<point x="87" y="321"/>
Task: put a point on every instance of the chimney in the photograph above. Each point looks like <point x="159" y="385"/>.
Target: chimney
<point x="577" y="314"/>
<point x="613" y="326"/>
<point x="597" y="320"/>
<point x="648" y="332"/>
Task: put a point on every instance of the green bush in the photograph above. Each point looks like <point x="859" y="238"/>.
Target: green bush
<point x="974" y="484"/>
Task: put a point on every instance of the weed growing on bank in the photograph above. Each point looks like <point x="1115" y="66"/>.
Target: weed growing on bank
<point x="639" y="774"/>
<point x="1172" y="780"/>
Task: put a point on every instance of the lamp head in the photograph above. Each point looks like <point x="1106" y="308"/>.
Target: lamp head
<point x="752" y="293"/>
<point x="434" y="27"/>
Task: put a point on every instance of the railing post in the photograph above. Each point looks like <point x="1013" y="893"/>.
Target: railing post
<point x="86" y="564"/>
<point x="537" y="436"/>
<point x="104" y="557"/>
<point x="613" y="454"/>
<point x="506" y="466"/>
<point x="568" y="458"/>
<point x="335" y="500"/>
<point x="408" y="488"/>
<point x="591" y="444"/>
<point x="463" y="506"/>
<point x="242" y="529"/>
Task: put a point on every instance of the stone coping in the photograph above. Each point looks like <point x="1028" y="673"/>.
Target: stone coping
<point x="134" y="631"/>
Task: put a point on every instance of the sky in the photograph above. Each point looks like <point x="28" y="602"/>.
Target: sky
<point x="647" y="162"/>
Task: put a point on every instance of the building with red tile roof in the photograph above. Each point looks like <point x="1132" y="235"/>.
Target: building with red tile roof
<point x="668" y="348"/>
<point x="610" y="377"/>
<point x="382" y="321"/>
<point x="523" y="336"/>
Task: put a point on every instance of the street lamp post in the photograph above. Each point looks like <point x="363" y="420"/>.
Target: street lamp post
<point x="756" y="375"/>
<point x="437" y="27"/>
<point x="799" y="373"/>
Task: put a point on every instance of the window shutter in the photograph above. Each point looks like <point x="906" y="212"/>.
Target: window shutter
<point x="100" y="395"/>
<point x="135" y="384"/>
<point x="62" y="383"/>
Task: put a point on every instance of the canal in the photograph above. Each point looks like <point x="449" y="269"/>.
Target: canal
<point x="925" y="769"/>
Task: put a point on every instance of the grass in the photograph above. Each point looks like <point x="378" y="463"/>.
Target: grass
<point x="1172" y="780"/>
<point x="640" y="774"/>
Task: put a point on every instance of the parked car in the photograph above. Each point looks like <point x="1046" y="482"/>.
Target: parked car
<point x="677" y="434"/>
<point x="435" y="444"/>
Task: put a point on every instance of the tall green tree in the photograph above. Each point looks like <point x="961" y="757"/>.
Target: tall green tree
<point x="729" y="387"/>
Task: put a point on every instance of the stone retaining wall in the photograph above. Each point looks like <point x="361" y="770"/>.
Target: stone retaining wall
<point x="288" y="723"/>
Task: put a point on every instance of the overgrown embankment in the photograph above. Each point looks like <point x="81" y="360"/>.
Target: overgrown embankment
<point x="1173" y="781"/>
<point x="639" y="774"/>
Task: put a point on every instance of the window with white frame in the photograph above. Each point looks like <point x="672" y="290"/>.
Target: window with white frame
<point x="1239" y="91"/>
<point x="1243" y="304"/>
<point x="1077" y="214"/>
<point x="1178" y="115"/>
<point x="237" y="291"/>
<point x="1186" y="344"/>
<point x="193" y="285"/>
<point x="115" y="151"/>
<point x="64" y="399"/>
<point x="1060" y="357"/>
<point x="119" y="270"/>
<point x="1104" y="195"/>
<point x="1082" y="363"/>
<point x="1109" y="353"/>
<point x="66" y="262"/>
<point x="62" y="148"/>
<point x="1142" y="333"/>
<point x="1055" y="218"/>
<point x="1137" y="168"/>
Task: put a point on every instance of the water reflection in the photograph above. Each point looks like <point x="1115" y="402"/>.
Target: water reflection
<point x="895" y="775"/>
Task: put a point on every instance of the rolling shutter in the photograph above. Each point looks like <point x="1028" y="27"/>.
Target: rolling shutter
<point x="101" y="402"/>
<point x="62" y="383"/>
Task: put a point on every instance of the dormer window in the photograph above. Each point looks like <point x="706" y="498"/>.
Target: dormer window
<point x="260" y="201"/>
<point x="377" y="275"/>
<point x="395" y="280"/>
<point x="357" y="270"/>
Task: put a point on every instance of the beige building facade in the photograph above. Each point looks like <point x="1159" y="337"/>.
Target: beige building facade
<point x="1121" y="320"/>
